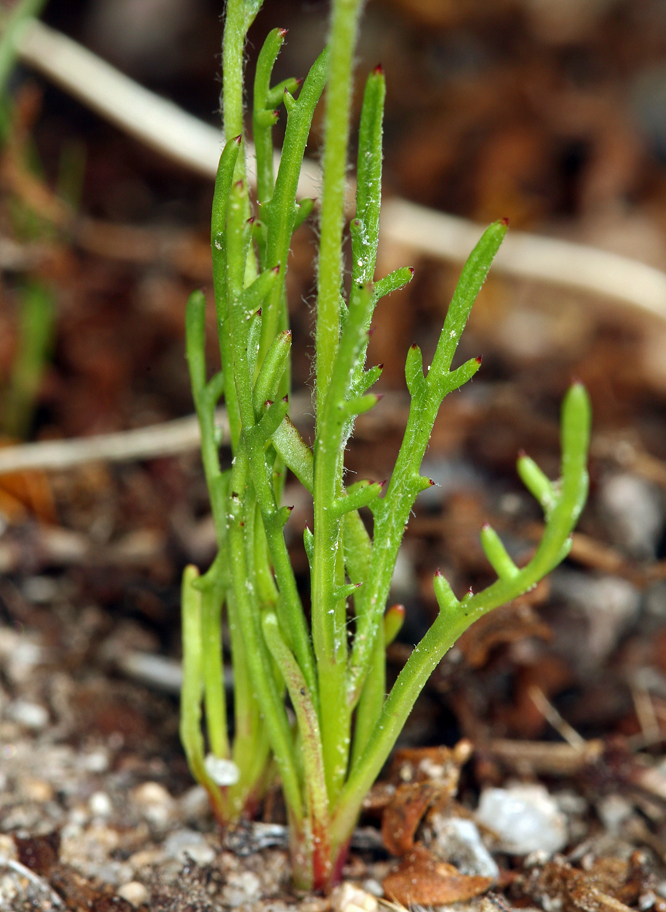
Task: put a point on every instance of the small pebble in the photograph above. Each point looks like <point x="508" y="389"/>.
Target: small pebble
<point x="458" y="842"/>
<point x="525" y="818"/>
<point x="370" y="885"/>
<point x="134" y="892"/>
<point x="194" y="804"/>
<point x="350" y="898"/>
<point x="100" y="804"/>
<point x="37" y="790"/>
<point x="609" y="603"/>
<point x="222" y="772"/>
<point x="241" y="887"/>
<point x="186" y="844"/>
<point x="30" y="715"/>
<point x="95" y="762"/>
<point x="634" y="509"/>
<point x="154" y="802"/>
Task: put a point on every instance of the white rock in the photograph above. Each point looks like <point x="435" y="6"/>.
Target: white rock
<point x="525" y="819"/>
<point x="222" y="772"/>
<point x="154" y="802"/>
<point x="241" y="887"/>
<point x="134" y="892"/>
<point x="613" y="811"/>
<point x="96" y="761"/>
<point x="30" y="715"/>
<point x="610" y="604"/>
<point x="458" y="841"/>
<point x="350" y="898"/>
<point x="100" y="804"/>
<point x="634" y="507"/>
<point x="187" y="844"/>
<point x="195" y="803"/>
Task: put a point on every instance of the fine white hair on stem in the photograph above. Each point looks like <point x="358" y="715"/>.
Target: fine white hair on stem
<point x="183" y="138"/>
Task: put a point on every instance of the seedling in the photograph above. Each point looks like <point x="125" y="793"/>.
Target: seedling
<point x="309" y="695"/>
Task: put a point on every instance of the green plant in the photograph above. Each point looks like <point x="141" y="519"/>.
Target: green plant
<point x="332" y="669"/>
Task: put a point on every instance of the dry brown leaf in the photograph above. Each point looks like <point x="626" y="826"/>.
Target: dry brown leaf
<point x="424" y="879"/>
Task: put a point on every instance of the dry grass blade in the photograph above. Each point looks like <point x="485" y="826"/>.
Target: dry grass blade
<point x="166" y="128"/>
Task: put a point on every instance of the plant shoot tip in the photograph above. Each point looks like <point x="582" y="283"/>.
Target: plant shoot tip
<point x="479" y="359"/>
<point x="378" y="70"/>
<point x="505" y="221"/>
<point x="282" y="32"/>
<point x="238" y="139"/>
<point x="379" y="396"/>
<point x="521" y="453"/>
<point x="486" y="525"/>
<point x="414" y="347"/>
<point x="438" y="572"/>
<point x="412" y="271"/>
<point x="276" y="269"/>
<point x="285" y="398"/>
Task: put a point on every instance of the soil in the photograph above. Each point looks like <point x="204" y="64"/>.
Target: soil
<point x="549" y="113"/>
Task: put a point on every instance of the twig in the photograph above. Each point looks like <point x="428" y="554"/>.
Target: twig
<point x="39" y="882"/>
<point x="167" y="439"/>
<point x="176" y="436"/>
<point x="545" y="757"/>
<point x="552" y="716"/>
<point x="166" y="128"/>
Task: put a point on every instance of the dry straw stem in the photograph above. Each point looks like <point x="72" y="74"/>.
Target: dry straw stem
<point x="183" y="138"/>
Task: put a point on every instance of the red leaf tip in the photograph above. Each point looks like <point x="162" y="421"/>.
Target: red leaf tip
<point x="479" y="359"/>
<point x="504" y="221"/>
<point x="438" y="572"/>
<point x="378" y="70"/>
<point x="282" y="32"/>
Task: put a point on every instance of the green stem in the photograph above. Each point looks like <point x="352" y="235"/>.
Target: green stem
<point x="455" y="617"/>
<point x="344" y="31"/>
<point x="257" y="656"/>
<point x="392" y="513"/>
